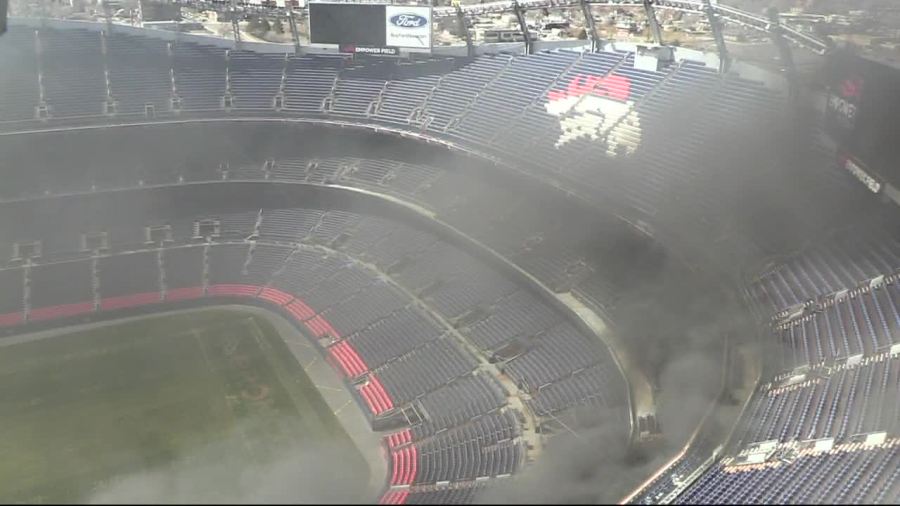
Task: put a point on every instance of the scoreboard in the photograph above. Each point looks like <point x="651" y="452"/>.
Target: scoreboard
<point x="863" y="117"/>
<point x="370" y="28"/>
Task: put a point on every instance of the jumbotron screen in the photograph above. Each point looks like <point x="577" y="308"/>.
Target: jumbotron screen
<point x="863" y="115"/>
<point x="345" y="24"/>
<point x="370" y="28"/>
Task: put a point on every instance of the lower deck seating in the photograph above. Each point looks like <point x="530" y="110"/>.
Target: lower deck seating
<point x="458" y="402"/>
<point x="12" y="296"/>
<point x="368" y="305"/>
<point x="425" y="369"/>
<point x="555" y="354"/>
<point x="62" y="289"/>
<point x="183" y="271"/>
<point x="847" y="474"/>
<point x="584" y="387"/>
<point x="839" y="403"/>
<point x="841" y="263"/>
<point x="665" y="483"/>
<point x="862" y="321"/>
<point x="465" y="495"/>
<point x="483" y="448"/>
<point x="19" y="92"/>
<point x="288" y="224"/>
<point x="518" y="315"/>
<point x="393" y="336"/>
<point x="226" y="263"/>
<point x="264" y="261"/>
<point x="129" y="279"/>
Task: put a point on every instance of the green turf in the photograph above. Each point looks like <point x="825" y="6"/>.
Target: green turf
<point x="80" y="409"/>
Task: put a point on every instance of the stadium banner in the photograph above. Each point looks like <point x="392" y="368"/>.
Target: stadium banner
<point x="336" y="26"/>
<point x="843" y="105"/>
<point x="857" y="170"/>
<point x="862" y="116"/>
<point x="369" y="50"/>
<point x="408" y="27"/>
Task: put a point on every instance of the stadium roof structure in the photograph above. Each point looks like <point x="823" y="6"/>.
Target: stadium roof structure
<point x="720" y="11"/>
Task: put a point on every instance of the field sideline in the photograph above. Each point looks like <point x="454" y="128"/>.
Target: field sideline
<point x="87" y="408"/>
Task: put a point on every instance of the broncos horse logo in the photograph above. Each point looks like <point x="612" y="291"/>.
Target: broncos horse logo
<point x="597" y="107"/>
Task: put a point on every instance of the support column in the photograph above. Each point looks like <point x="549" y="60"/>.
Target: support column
<point x="785" y="53"/>
<point x="716" y="27"/>
<point x="591" y="24"/>
<point x="295" y="34"/>
<point x="3" y="8"/>
<point x="235" y="25"/>
<point x="43" y="109"/>
<point x="523" y="25"/>
<point x="653" y="22"/>
<point x="107" y="15"/>
<point x="109" y="106"/>
<point x="464" y="28"/>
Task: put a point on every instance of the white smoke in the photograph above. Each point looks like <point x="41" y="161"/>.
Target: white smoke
<point x="226" y="471"/>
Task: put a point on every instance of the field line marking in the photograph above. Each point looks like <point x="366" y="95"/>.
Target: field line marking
<point x="333" y="389"/>
<point x="310" y="364"/>
<point x="209" y="366"/>
<point x="338" y="410"/>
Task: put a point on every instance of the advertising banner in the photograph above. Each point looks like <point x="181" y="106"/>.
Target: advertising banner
<point x="408" y="27"/>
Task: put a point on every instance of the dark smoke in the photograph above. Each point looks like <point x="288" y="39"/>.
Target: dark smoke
<point x="591" y="468"/>
<point x="675" y="318"/>
<point x="598" y="466"/>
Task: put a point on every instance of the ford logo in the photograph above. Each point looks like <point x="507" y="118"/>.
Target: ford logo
<point x="408" y="20"/>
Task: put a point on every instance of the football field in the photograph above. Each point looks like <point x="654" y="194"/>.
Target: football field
<point x="207" y="405"/>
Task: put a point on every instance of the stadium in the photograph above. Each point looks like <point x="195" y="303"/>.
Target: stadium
<point x="630" y="273"/>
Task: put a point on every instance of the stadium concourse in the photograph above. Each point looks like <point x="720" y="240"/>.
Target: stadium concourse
<point x="449" y="233"/>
